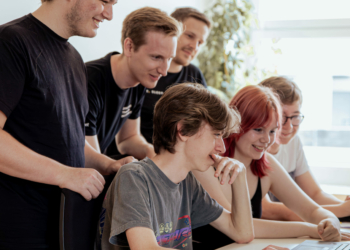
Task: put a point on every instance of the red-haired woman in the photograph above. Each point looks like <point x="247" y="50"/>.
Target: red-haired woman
<point x="261" y="119"/>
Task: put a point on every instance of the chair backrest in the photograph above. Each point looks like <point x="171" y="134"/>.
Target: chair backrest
<point x="79" y="219"/>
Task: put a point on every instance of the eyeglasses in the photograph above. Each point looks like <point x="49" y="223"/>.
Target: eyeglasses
<point x="296" y="119"/>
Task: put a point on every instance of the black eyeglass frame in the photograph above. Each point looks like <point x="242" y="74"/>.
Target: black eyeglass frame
<point x="291" y="119"/>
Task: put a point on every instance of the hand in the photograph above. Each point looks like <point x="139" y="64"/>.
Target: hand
<point x="228" y="167"/>
<point x="329" y="230"/>
<point x="347" y="198"/>
<point x="273" y="247"/>
<point x="86" y="181"/>
<point x="117" y="164"/>
<point x="345" y="236"/>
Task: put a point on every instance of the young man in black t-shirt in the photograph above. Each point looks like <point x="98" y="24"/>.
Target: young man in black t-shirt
<point x="43" y="104"/>
<point x="117" y="82"/>
<point x="195" y="32"/>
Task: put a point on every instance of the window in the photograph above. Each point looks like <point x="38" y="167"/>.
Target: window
<point x="303" y="41"/>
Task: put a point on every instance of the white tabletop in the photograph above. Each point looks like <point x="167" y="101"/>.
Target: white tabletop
<point x="258" y="244"/>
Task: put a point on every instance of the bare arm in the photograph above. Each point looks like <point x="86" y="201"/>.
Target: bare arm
<point x="102" y="163"/>
<point x="142" y="238"/>
<point x="294" y="198"/>
<point x="19" y="161"/>
<point x="130" y="141"/>
<point x="93" y="141"/>
<point x="309" y="185"/>
<point x="277" y="211"/>
<point x="238" y="224"/>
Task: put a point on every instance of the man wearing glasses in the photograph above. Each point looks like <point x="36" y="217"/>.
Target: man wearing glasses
<point x="289" y="152"/>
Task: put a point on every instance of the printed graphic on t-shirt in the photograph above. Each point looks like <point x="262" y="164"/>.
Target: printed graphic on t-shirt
<point x="154" y="92"/>
<point x="126" y="111"/>
<point x="165" y="236"/>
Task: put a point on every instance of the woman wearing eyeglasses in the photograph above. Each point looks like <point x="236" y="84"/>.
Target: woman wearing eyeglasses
<point x="288" y="150"/>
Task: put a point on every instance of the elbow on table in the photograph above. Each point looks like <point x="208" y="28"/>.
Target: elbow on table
<point x="245" y="238"/>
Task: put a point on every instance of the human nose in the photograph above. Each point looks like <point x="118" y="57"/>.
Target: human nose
<point x="107" y="12"/>
<point x="163" y="68"/>
<point x="265" y="138"/>
<point x="220" y="146"/>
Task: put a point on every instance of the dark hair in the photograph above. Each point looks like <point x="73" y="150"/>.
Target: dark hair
<point x="139" y="22"/>
<point x="287" y="90"/>
<point x="256" y="104"/>
<point x="181" y="14"/>
<point x="192" y="104"/>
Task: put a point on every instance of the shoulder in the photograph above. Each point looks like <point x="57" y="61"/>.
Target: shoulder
<point x="15" y="32"/>
<point x="196" y="74"/>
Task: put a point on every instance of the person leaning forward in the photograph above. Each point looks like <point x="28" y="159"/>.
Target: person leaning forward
<point x="43" y="104"/>
<point x="117" y="82"/>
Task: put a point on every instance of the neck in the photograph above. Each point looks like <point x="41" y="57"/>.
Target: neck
<point x="175" y="67"/>
<point x="121" y="72"/>
<point x="274" y="148"/>
<point x="52" y="14"/>
<point x="173" y="165"/>
<point x="245" y="160"/>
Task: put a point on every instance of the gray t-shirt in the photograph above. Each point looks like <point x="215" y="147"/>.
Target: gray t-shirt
<point x="141" y="195"/>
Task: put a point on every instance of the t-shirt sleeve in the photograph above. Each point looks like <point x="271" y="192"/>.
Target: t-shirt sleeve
<point x="13" y="75"/>
<point x="136" y="113"/>
<point x="204" y="208"/>
<point x="95" y="104"/>
<point x="302" y="165"/>
<point x="131" y="207"/>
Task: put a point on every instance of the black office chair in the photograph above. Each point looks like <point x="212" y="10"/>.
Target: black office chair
<point x="79" y="219"/>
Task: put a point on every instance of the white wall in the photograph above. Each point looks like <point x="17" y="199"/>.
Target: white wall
<point x="109" y="33"/>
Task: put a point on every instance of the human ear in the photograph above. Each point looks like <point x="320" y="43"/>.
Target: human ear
<point x="128" y="46"/>
<point x="179" y="135"/>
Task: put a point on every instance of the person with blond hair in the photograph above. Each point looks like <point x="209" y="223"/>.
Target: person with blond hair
<point x="261" y="114"/>
<point x="43" y="104"/>
<point x="118" y="81"/>
<point x="288" y="150"/>
<point x="196" y="27"/>
<point x="157" y="202"/>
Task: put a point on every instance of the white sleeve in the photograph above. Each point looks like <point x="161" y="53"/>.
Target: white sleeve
<point x="301" y="163"/>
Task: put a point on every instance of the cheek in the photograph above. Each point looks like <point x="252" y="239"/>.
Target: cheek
<point x="272" y="139"/>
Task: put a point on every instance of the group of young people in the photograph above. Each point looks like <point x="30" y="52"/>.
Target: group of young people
<point x="205" y="167"/>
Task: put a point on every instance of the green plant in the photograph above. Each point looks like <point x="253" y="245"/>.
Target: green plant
<point x="224" y="61"/>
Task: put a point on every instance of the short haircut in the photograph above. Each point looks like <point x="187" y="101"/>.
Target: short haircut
<point x="287" y="90"/>
<point x="191" y="104"/>
<point x="256" y="105"/>
<point x="141" y="21"/>
<point x="181" y="14"/>
<point x="43" y="1"/>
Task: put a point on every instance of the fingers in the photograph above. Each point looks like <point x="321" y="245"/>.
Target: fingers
<point x="347" y="198"/>
<point x="320" y="227"/>
<point x="345" y="236"/>
<point x="329" y="231"/>
<point x="127" y="160"/>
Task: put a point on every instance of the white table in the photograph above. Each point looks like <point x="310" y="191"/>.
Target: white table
<point x="259" y="244"/>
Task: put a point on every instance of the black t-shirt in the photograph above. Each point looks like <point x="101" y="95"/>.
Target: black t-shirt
<point x="189" y="73"/>
<point x="109" y="105"/>
<point x="43" y="93"/>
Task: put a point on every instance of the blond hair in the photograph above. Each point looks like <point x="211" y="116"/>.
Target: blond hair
<point x="181" y="14"/>
<point x="286" y="89"/>
<point x="141" y="21"/>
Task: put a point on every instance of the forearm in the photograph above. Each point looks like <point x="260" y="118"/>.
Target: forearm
<point x="322" y="198"/>
<point x="320" y="214"/>
<point x="338" y="210"/>
<point x="136" y="146"/>
<point x="265" y="229"/>
<point x="19" y="161"/>
<point x="95" y="160"/>
<point x="278" y="211"/>
<point x="241" y="215"/>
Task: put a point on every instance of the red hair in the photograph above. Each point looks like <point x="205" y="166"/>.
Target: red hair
<point x="256" y="105"/>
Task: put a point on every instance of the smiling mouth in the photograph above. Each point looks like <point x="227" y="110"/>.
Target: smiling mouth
<point x="97" y="22"/>
<point x="156" y="78"/>
<point x="259" y="148"/>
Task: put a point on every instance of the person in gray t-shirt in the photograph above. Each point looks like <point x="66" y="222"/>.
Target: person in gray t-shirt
<point x="155" y="203"/>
